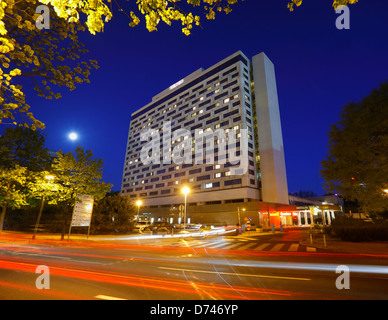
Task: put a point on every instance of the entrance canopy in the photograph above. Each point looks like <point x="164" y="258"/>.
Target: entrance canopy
<point x="296" y="215"/>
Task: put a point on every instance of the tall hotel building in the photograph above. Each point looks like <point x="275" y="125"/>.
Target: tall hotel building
<point x="236" y="93"/>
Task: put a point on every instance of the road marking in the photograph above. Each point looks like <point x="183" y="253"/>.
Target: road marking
<point x="247" y="246"/>
<point x="232" y="245"/>
<point x="193" y="244"/>
<point x="236" y="274"/>
<point x="262" y="247"/>
<point x="294" y="247"/>
<point x="277" y="247"/>
<point x="311" y="249"/>
<point x="218" y="245"/>
<point x="209" y="244"/>
<point x="103" y="297"/>
<point x="185" y="243"/>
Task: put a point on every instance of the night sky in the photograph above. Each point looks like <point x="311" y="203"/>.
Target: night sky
<point x="318" y="67"/>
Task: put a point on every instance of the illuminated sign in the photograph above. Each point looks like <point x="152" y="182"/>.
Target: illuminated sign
<point x="177" y="84"/>
<point x="82" y="213"/>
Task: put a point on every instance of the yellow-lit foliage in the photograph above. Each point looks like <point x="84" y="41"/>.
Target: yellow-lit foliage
<point x="50" y="58"/>
<point x="336" y="3"/>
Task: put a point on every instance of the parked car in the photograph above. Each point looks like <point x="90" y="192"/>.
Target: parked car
<point x="141" y="225"/>
<point x="193" y="226"/>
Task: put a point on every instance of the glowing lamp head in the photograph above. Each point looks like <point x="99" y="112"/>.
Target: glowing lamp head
<point x="73" y="136"/>
<point x="49" y="177"/>
<point x="138" y="202"/>
<point x="185" y="190"/>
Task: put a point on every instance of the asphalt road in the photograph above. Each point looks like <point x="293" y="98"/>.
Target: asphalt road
<point x="186" y="270"/>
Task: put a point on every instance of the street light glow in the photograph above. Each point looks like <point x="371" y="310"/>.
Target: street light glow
<point x="138" y="203"/>
<point x="73" y="136"/>
<point x="185" y="190"/>
<point x="49" y="177"/>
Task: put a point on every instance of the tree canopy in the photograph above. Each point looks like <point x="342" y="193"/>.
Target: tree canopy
<point x="80" y="174"/>
<point x="356" y="165"/>
<point x="51" y="59"/>
<point x="23" y="156"/>
<point x="297" y="3"/>
<point x="113" y="212"/>
<point x="24" y="147"/>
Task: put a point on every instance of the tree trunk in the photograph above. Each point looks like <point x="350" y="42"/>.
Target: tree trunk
<point x="4" y="207"/>
<point x="2" y="216"/>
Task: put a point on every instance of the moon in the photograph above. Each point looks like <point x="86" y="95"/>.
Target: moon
<point x="73" y="136"/>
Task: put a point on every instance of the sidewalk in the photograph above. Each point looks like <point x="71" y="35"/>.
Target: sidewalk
<point x="248" y="234"/>
<point x="27" y="237"/>
<point x="336" y="245"/>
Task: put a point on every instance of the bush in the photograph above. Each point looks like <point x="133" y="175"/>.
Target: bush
<point x="349" y="229"/>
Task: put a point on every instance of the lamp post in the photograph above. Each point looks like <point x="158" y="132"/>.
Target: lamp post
<point x="49" y="178"/>
<point x="138" y="202"/>
<point x="185" y="191"/>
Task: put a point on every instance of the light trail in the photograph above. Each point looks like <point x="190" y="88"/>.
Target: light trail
<point x="218" y="291"/>
<point x="236" y="274"/>
<point x="51" y="293"/>
<point x="370" y="269"/>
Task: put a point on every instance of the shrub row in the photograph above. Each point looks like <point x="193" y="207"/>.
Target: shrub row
<point x="349" y="229"/>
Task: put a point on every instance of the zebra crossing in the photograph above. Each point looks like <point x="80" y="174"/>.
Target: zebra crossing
<point x="244" y="245"/>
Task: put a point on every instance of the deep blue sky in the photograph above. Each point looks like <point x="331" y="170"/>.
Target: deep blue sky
<point x="318" y="68"/>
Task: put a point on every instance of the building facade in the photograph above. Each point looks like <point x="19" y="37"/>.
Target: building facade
<point x="225" y="113"/>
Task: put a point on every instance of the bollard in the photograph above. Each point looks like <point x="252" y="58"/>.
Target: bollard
<point x="311" y="238"/>
<point x="324" y="240"/>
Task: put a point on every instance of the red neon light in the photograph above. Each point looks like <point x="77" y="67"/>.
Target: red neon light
<point x="285" y="213"/>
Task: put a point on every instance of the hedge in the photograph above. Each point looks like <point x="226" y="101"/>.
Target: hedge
<point x="349" y="229"/>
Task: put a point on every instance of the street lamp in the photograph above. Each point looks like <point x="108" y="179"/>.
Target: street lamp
<point x="239" y="217"/>
<point x="138" y="202"/>
<point x="185" y="191"/>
